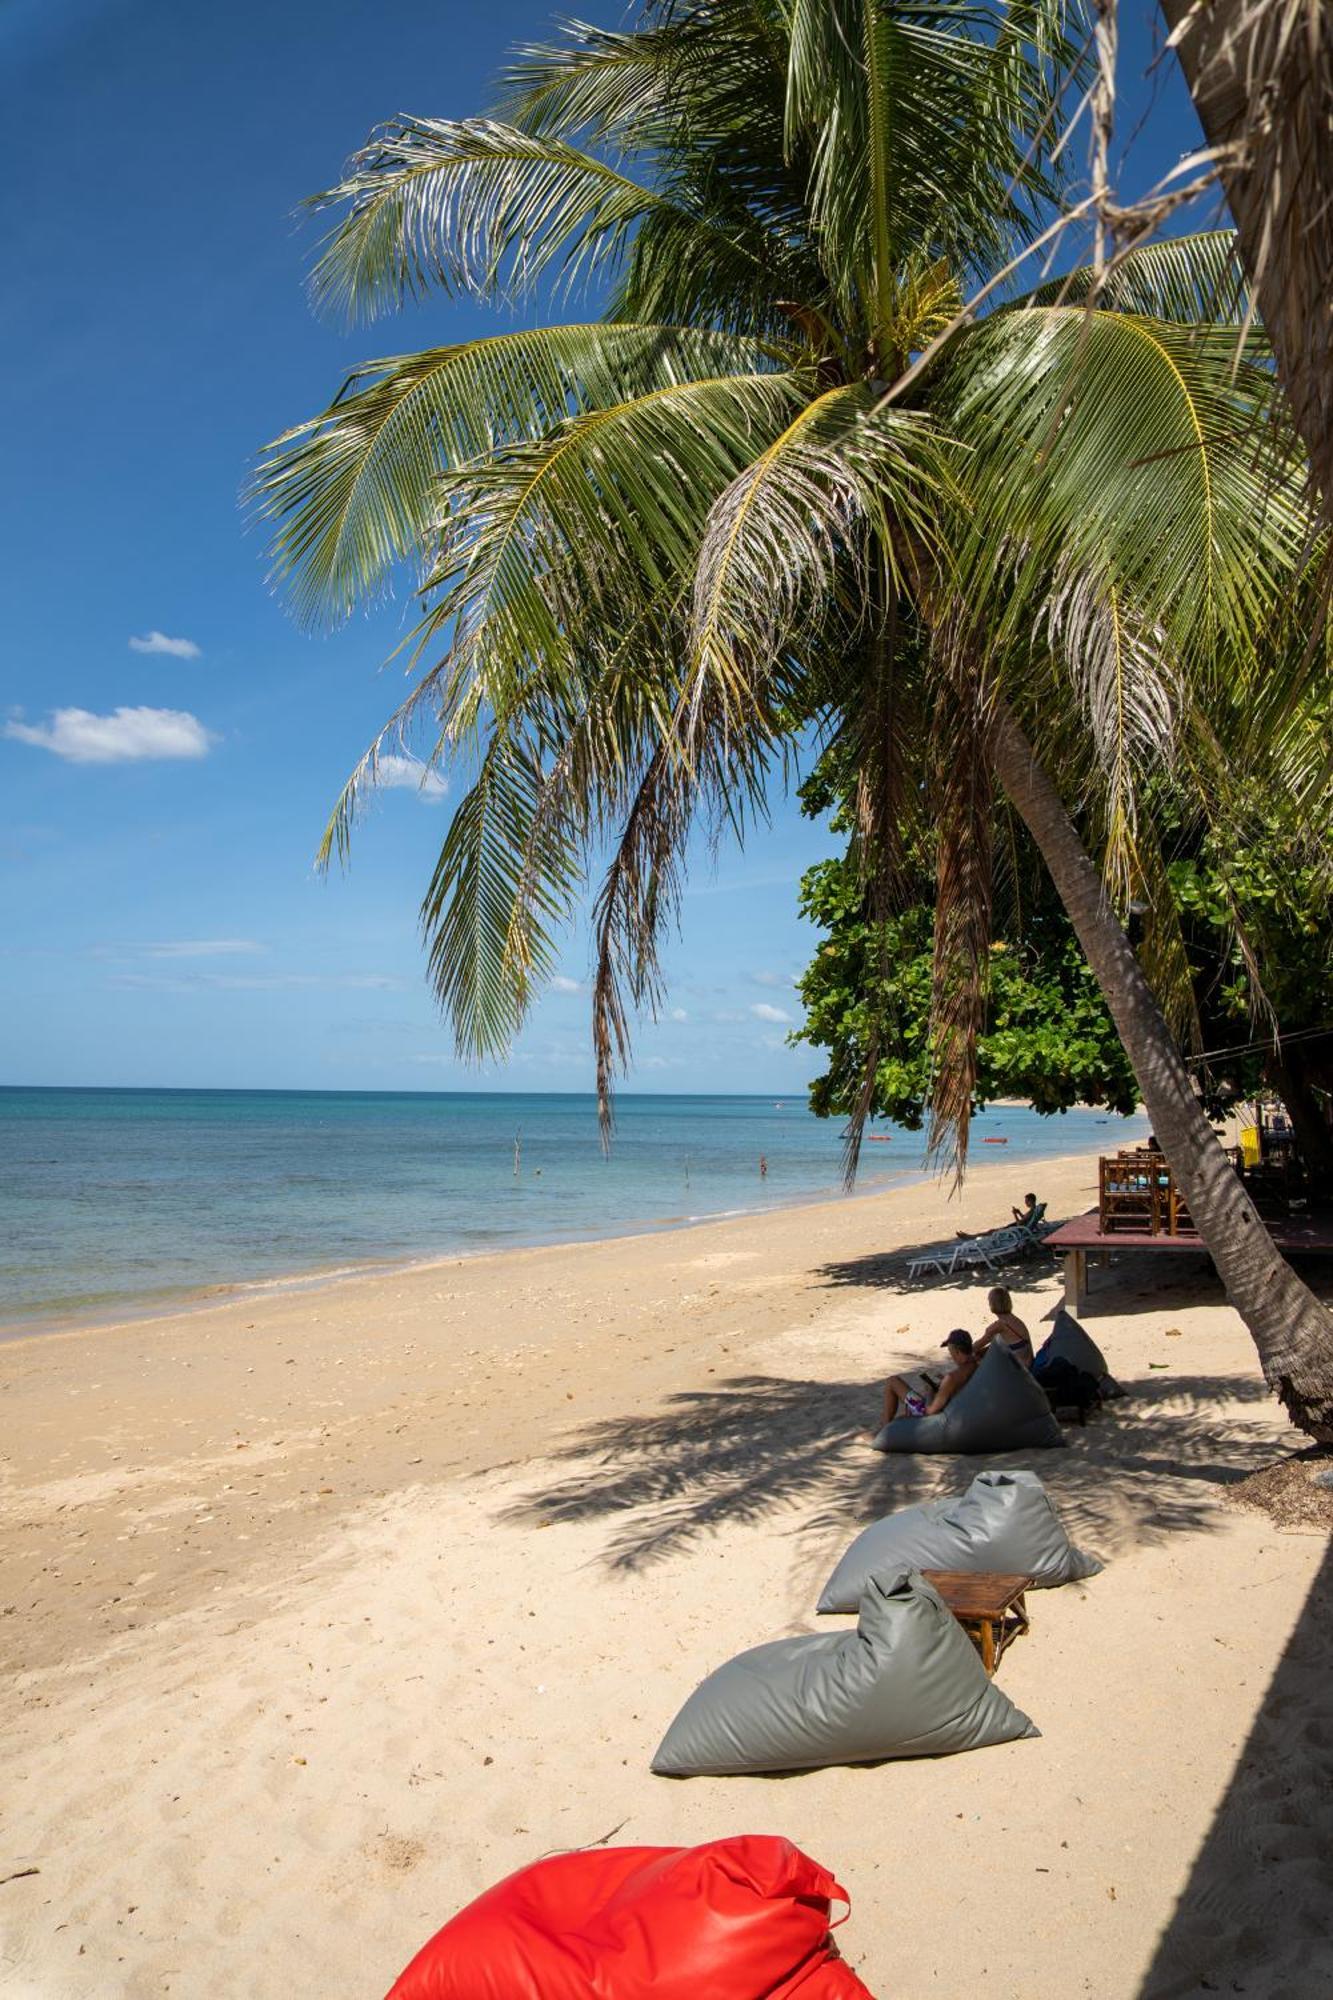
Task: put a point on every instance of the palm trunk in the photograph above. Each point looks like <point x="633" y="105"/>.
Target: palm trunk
<point x="1292" y="1330"/>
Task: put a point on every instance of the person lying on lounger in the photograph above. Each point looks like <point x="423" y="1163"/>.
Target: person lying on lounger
<point x="1006" y="1326"/>
<point x="1026" y="1216"/>
<point x="926" y="1395"/>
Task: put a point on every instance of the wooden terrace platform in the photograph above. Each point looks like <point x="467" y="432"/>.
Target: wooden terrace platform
<point x="1294" y="1235"/>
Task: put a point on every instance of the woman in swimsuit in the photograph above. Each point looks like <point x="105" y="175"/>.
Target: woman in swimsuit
<point x="1006" y="1326"/>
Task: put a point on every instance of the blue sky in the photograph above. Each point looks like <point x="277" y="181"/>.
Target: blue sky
<point x="161" y="921"/>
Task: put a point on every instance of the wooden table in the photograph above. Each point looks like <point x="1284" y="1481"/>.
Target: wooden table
<point x="988" y="1605"/>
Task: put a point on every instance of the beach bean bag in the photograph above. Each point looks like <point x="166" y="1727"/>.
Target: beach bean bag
<point x="906" y="1683"/>
<point x="740" y="1919"/>
<point x="1070" y="1343"/>
<point x="1000" y="1409"/>
<point x="1004" y="1521"/>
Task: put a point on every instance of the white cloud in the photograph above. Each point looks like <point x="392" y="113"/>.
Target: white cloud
<point x="763" y="1012"/>
<point x="560" y="983"/>
<point x="396" y="773"/>
<point x="158" y="642"/>
<point x="679" y="1014"/>
<point x="126" y="736"/>
<point x="783" y="979"/>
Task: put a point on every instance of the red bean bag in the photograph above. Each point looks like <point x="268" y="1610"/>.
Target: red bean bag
<point x="744" y="1919"/>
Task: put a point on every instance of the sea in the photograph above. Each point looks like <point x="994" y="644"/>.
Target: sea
<point x="123" y="1203"/>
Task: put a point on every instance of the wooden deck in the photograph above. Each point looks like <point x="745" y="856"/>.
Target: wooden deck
<point x="1294" y="1236"/>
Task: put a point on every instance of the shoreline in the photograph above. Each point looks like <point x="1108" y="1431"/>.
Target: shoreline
<point x="324" y="1611"/>
<point x="242" y="1291"/>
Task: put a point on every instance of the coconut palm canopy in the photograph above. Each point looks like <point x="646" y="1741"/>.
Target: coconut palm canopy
<point x="728" y="510"/>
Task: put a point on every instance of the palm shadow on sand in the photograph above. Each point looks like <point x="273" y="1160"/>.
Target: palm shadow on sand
<point x="754" y="1446"/>
<point x="1256" y="1916"/>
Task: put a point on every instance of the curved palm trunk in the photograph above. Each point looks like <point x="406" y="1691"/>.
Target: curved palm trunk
<point x="1292" y="1330"/>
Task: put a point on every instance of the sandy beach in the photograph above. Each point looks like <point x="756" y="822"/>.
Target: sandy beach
<point x="324" y="1609"/>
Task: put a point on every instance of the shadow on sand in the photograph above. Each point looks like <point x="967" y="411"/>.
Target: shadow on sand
<point x="1146" y="1468"/>
<point x="1256" y="1916"/>
<point x="1143" y="1282"/>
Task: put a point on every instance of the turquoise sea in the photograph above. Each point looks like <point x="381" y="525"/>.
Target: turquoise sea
<point x="116" y="1202"/>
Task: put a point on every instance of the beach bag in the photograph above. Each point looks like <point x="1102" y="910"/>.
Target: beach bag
<point x="740" y="1919"/>
<point x="1000" y="1409"/>
<point x="907" y="1682"/>
<point x="1004" y="1521"/>
<point x="1070" y="1342"/>
<point x="1067" y="1387"/>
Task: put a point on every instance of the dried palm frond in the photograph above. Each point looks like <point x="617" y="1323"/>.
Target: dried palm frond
<point x="1261" y="76"/>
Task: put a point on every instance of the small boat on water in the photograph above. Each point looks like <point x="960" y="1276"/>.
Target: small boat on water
<point x="995" y="1142"/>
<point x="879" y="1138"/>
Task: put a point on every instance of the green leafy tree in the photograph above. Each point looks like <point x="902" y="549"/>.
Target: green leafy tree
<point x="777" y="479"/>
<point x="1257" y="933"/>
<point x="1047" y="1036"/>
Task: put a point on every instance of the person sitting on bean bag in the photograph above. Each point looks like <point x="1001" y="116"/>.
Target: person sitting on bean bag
<point x="907" y="1397"/>
<point x="1006" y="1326"/>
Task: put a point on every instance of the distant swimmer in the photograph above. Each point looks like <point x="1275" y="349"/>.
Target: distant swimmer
<point x="763" y="1166"/>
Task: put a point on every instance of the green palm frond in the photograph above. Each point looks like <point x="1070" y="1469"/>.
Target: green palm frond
<point x="1118" y="445"/>
<point x="1122" y="673"/>
<point x="932" y="128"/>
<point x="354" y="491"/>
<point x="843" y="484"/>
<point x="469" y="205"/>
<point x="547" y="538"/>
<point x="598" y="84"/>
<point x="468" y="906"/>
<point x="1198" y="280"/>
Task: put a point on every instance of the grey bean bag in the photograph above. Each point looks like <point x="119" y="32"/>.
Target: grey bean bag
<point x="906" y="1683"/>
<point x="1000" y="1409"/>
<point x="1004" y="1521"/>
<point x="1069" y="1341"/>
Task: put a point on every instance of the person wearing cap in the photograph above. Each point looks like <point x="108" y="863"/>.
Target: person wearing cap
<point x="926" y="1395"/>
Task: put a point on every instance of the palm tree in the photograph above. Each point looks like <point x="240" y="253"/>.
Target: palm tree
<point x="778" y="484"/>
<point x="1261" y="76"/>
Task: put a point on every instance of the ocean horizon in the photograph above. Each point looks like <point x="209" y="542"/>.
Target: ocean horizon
<point x="120" y="1203"/>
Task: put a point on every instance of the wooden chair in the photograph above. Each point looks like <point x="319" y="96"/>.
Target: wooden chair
<point x="1128" y="1196"/>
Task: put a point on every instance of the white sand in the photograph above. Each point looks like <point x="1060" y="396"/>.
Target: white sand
<point x="322" y="1613"/>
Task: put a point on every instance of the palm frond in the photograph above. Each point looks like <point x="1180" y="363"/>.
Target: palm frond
<point x="1261" y="76"/>
<point x="1113" y="444"/>
<point x="547" y="539"/>
<point x="465" y="915"/>
<point x="1128" y="690"/>
<point x="841" y="487"/>
<point x="355" y="490"/>
<point x="470" y="205"/>
<point x="1197" y="280"/>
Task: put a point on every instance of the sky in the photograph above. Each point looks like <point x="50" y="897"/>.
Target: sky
<point x="170" y="741"/>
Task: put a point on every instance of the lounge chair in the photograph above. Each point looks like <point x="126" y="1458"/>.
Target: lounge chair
<point x="989" y="1250"/>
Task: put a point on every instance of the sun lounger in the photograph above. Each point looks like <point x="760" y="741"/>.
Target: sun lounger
<point x="990" y="1250"/>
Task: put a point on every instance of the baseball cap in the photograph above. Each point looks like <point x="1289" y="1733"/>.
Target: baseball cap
<point x="959" y="1338"/>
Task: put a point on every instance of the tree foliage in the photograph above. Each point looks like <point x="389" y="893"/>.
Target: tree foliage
<point x="653" y="545"/>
